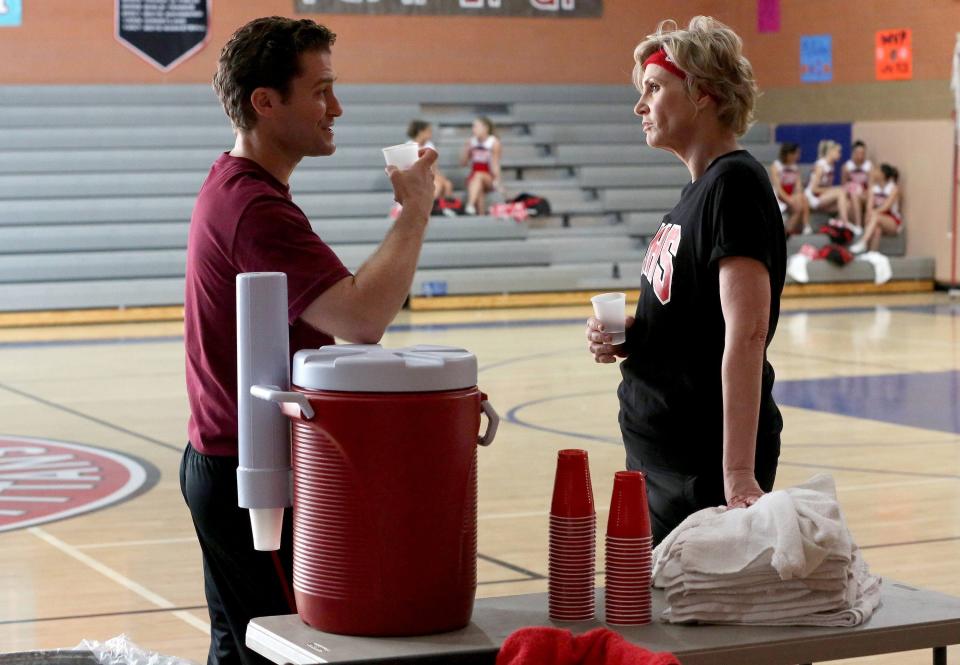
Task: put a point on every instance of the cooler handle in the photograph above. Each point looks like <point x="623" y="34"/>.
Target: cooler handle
<point x="492" y="424"/>
<point x="274" y="394"/>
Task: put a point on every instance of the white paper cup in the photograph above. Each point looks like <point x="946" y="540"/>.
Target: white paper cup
<point x="610" y="309"/>
<point x="402" y="156"/>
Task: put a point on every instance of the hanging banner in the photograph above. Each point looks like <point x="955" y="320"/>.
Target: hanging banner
<point x="11" y="13"/>
<point x="894" y="55"/>
<point x="163" y="32"/>
<point x="816" y="58"/>
<point x="486" y="8"/>
<point x="768" y="15"/>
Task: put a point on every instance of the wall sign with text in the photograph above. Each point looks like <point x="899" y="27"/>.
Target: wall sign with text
<point x="163" y="32"/>
<point x="11" y="13"/>
<point x="894" y="55"/>
<point x="816" y="58"/>
<point x="487" y="8"/>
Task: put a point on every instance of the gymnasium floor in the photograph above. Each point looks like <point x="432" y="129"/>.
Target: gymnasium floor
<point x="869" y="388"/>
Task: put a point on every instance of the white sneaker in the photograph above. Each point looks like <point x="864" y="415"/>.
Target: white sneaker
<point x="858" y="247"/>
<point x="807" y="230"/>
<point x="470" y="210"/>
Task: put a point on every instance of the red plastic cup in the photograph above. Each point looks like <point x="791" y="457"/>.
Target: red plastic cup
<point x="629" y="513"/>
<point x="572" y="490"/>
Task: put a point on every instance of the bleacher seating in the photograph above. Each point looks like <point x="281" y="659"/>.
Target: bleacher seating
<point x="97" y="184"/>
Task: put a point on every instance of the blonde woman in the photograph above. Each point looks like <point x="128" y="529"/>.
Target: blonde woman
<point x="822" y="194"/>
<point x="697" y="413"/>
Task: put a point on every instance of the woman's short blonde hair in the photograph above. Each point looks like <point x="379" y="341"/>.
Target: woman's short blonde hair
<point x="711" y="55"/>
<point x="825" y="146"/>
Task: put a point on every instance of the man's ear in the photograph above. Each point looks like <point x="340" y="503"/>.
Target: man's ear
<point x="264" y="101"/>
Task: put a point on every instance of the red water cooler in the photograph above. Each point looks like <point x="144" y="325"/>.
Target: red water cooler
<point x="384" y="459"/>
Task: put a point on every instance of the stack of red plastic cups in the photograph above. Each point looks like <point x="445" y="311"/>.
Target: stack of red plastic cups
<point x="629" y="563"/>
<point x="573" y="532"/>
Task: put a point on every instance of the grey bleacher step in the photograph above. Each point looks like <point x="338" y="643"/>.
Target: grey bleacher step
<point x="889" y="245"/>
<point x="607" y="230"/>
<point x="173" y="235"/>
<point x="903" y="268"/>
<point x="644" y="223"/>
<point x="214" y="136"/>
<point x="588" y="249"/>
<point x="440" y="229"/>
<point x="137" y="264"/>
<point x="467" y="281"/>
<point x="635" y="199"/>
<point x="348" y="93"/>
<point x="618" y="133"/>
<point x="174" y="208"/>
<point x="91" y="293"/>
<point x="660" y="175"/>
<point x="537" y="185"/>
<point x="193" y="159"/>
<point x="93" y="237"/>
<point x="175" y="182"/>
<point x="66" y="115"/>
<point x="469" y="254"/>
<point x="574" y="113"/>
<point x="132" y="264"/>
<point x="596" y="154"/>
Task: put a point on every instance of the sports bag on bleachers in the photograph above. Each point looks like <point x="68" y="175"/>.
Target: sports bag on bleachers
<point x="536" y="206"/>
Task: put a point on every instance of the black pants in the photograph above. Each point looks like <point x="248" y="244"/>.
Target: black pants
<point x="240" y="583"/>
<point x="675" y="495"/>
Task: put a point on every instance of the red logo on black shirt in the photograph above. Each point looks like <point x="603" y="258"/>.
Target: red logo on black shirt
<point x="658" y="263"/>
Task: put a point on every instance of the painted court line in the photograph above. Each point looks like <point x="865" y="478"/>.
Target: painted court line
<point x="123" y="581"/>
<point x="134" y="543"/>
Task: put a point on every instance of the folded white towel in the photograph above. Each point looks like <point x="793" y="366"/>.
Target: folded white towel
<point x="798" y="527"/>
<point x="882" y="271"/>
<point x="787" y="560"/>
<point x="797" y="268"/>
<point x="862" y="600"/>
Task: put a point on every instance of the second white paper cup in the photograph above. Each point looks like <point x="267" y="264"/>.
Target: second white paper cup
<point x="402" y="156"/>
<point x="610" y="309"/>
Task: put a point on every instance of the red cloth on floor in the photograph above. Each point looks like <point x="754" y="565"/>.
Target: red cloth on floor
<point x="552" y="646"/>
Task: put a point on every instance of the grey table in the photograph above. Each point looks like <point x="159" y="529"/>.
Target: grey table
<point x="909" y="619"/>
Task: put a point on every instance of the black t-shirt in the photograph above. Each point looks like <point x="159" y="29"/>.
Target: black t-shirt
<point x="671" y="403"/>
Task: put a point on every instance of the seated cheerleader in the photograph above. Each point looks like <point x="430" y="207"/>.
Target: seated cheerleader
<point x="785" y="177"/>
<point x="856" y="177"/>
<point x="883" y="211"/>
<point x="821" y="193"/>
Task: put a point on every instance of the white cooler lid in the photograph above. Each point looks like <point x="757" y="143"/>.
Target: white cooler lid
<point x="373" y="369"/>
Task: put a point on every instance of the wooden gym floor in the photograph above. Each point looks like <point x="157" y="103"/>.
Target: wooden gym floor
<point x="869" y="388"/>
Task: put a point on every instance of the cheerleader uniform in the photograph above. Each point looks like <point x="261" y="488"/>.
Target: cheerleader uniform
<point x="826" y="180"/>
<point x="481" y="155"/>
<point x="789" y="179"/>
<point x="859" y="175"/>
<point x="881" y="193"/>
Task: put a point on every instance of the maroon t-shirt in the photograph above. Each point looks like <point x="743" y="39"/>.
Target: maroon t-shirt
<point x="244" y="221"/>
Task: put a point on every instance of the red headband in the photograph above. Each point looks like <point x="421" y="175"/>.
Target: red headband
<point x="663" y="60"/>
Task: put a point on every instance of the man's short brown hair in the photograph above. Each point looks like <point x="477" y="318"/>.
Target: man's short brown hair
<point x="265" y="53"/>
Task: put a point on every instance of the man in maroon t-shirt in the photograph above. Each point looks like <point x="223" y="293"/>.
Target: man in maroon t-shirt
<point x="275" y="79"/>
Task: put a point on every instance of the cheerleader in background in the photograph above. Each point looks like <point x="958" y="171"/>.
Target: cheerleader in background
<point x="421" y="133"/>
<point x="482" y="153"/>
<point x="821" y="193"/>
<point x="855" y="177"/>
<point x="883" y="215"/>
<point x="785" y="176"/>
